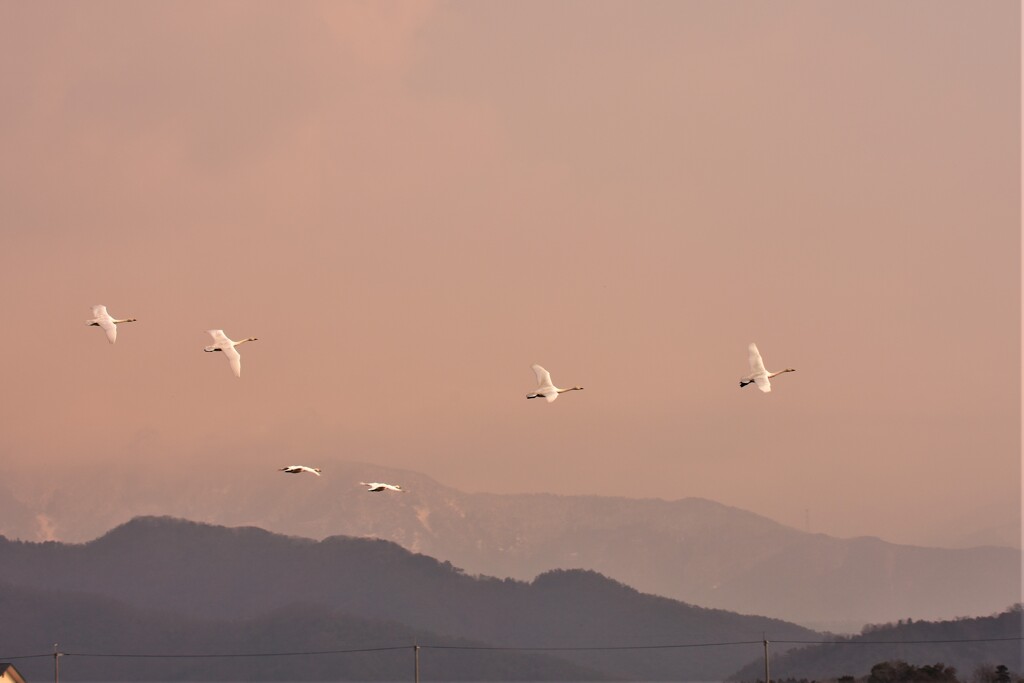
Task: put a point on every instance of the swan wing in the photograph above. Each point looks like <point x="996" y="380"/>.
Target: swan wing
<point x="109" y="327"/>
<point x="763" y="383"/>
<point x="101" y="318"/>
<point x="220" y="338"/>
<point x="756" y="364"/>
<point x="234" y="358"/>
<point x="543" y="379"/>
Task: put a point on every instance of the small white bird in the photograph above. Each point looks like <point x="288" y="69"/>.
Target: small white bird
<point x="377" y="487"/>
<point x="544" y="386"/>
<point x="100" y="318"/>
<point x="299" y="469"/>
<point x="222" y="343"/>
<point x="758" y="375"/>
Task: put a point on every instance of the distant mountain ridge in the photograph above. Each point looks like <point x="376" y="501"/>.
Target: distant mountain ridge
<point x="207" y="572"/>
<point x="693" y="550"/>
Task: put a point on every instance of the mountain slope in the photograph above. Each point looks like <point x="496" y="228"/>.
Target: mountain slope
<point x="91" y="628"/>
<point x="205" y="571"/>
<point x="914" y="642"/>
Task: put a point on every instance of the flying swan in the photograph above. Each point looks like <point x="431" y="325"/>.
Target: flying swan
<point x="544" y="386"/>
<point x="299" y="469"/>
<point x="758" y="375"/>
<point x="222" y="343"/>
<point x="100" y="318"/>
<point x="377" y="487"/>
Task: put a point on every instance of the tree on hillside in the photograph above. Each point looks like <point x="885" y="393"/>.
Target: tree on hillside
<point x="899" y="671"/>
<point x="994" y="674"/>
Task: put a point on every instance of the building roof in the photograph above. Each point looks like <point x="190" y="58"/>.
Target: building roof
<point x="8" y="671"/>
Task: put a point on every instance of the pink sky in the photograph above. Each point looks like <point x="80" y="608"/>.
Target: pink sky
<point x="409" y="203"/>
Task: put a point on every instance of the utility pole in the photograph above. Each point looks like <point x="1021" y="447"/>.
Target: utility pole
<point x="766" y="678"/>
<point x="416" y="659"/>
<point x="56" y="664"/>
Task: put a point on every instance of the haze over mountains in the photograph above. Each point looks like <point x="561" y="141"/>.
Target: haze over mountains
<point x="693" y="550"/>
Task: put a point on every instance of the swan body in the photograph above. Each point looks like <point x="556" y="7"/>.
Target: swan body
<point x="225" y="345"/>
<point x="758" y="375"/>
<point x="102" y="319"/>
<point x="299" y="469"/>
<point x="377" y="487"/>
<point x="545" y="388"/>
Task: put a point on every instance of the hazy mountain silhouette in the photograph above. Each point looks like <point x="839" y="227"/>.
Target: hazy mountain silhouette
<point x="693" y="550"/>
<point x="854" y="656"/>
<point x="16" y="518"/>
<point x="204" y="571"/>
<point x="85" y="625"/>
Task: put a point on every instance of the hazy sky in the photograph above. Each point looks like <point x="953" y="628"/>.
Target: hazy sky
<point x="409" y="203"/>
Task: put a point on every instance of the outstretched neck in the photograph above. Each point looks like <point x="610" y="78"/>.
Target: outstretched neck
<point x="126" y="320"/>
<point x="781" y="371"/>
<point x="246" y="340"/>
<point x="562" y="391"/>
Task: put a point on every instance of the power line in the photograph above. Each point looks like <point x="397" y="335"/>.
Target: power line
<point x="225" y="655"/>
<point x="49" y="654"/>
<point x="585" y="648"/>
<point x="900" y="642"/>
<point x="506" y="648"/>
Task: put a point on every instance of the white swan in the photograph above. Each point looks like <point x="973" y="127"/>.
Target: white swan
<point x="758" y="375"/>
<point x="100" y="318"/>
<point x="299" y="469"/>
<point x="544" y="386"/>
<point x="377" y="487"/>
<point x="222" y="343"/>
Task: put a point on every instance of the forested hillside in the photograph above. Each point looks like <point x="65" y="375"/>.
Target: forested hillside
<point x="969" y="646"/>
<point x="206" y="572"/>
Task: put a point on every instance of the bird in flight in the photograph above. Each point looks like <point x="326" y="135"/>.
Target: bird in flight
<point x="102" y="319"/>
<point x="758" y="375"/>
<point x="544" y="386"/>
<point x="377" y="487"/>
<point x="225" y="345"/>
<point x="299" y="469"/>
